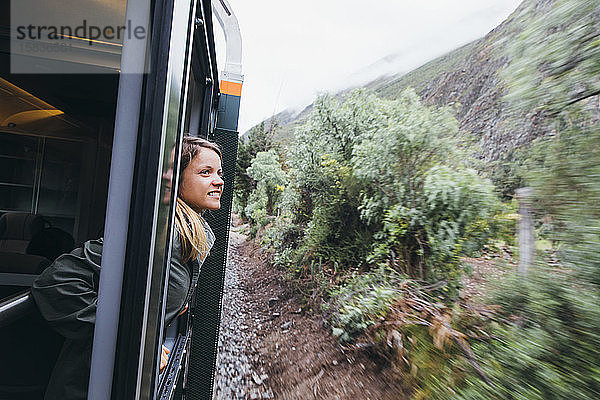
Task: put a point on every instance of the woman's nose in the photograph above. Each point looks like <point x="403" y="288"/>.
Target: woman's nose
<point x="168" y="174"/>
<point x="218" y="181"/>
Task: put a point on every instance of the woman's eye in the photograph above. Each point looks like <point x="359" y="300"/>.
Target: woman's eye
<point x="205" y="172"/>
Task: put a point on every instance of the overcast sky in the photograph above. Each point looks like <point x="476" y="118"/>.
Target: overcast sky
<point x="294" y="50"/>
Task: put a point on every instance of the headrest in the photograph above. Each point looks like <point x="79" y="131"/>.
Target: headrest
<point x="50" y="243"/>
<point x="20" y="226"/>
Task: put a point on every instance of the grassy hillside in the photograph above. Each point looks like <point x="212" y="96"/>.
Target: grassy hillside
<point x="389" y="87"/>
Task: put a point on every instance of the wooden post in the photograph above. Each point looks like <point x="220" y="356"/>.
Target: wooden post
<point x="525" y="230"/>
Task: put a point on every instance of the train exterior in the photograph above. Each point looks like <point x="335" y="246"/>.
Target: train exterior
<point x="91" y="125"/>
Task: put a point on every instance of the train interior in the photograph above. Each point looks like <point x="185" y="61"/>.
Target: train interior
<point x="56" y="135"/>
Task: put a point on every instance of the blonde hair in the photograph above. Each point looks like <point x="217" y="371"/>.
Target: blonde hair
<point x="188" y="222"/>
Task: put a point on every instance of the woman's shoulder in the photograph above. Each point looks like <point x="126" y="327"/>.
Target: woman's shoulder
<point x="176" y="244"/>
<point x="210" y="235"/>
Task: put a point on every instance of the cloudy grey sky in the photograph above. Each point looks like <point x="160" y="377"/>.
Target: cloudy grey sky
<point x="294" y="50"/>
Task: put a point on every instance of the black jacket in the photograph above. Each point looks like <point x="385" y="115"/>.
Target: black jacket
<point x="67" y="293"/>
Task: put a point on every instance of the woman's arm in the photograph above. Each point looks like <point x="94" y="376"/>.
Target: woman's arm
<point x="66" y="293"/>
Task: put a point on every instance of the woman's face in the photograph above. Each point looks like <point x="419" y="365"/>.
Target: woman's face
<point x="167" y="177"/>
<point x="202" y="182"/>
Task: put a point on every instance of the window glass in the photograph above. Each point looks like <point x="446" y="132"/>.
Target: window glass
<point x="59" y="186"/>
<point x="41" y="176"/>
<point x="17" y="172"/>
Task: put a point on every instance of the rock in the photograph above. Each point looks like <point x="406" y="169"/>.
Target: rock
<point x="233" y="376"/>
<point x="286" y="325"/>
<point x="257" y="379"/>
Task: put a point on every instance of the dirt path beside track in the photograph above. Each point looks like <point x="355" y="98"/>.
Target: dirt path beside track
<point x="271" y="348"/>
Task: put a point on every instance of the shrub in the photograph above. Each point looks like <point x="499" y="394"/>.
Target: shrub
<point x="567" y="191"/>
<point x="407" y="328"/>
<point x="361" y="301"/>
<point x="544" y="345"/>
<point x="327" y="194"/>
<point x="392" y="161"/>
<point x="449" y="215"/>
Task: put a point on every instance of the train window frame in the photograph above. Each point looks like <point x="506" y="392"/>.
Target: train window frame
<point x="162" y="114"/>
<point x="200" y="75"/>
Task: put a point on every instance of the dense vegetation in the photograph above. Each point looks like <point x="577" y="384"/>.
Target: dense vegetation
<point x="372" y="207"/>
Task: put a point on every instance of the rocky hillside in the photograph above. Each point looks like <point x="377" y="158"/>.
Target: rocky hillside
<point x="469" y="79"/>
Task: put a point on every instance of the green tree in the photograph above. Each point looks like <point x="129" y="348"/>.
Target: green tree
<point x="359" y="168"/>
<point x="271" y="181"/>
<point x="327" y="193"/>
<point x="393" y="158"/>
<point x="260" y="138"/>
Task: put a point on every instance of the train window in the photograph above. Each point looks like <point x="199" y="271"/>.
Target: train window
<point x="56" y="134"/>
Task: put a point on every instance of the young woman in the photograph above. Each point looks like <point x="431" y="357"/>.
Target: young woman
<point x="67" y="292"/>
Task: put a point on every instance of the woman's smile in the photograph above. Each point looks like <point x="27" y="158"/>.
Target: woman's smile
<point x="215" y="193"/>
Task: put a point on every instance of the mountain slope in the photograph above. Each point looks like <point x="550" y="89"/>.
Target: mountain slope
<point x="467" y="78"/>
